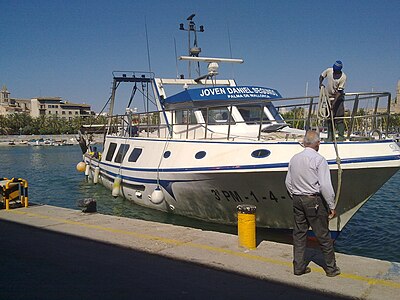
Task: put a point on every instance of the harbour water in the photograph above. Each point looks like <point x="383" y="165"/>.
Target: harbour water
<point x="53" y="179"/>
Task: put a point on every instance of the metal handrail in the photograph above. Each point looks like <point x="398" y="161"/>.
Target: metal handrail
<point x="373" y="119"/>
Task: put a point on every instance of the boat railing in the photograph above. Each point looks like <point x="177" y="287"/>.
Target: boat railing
<point x="367" y="116"/>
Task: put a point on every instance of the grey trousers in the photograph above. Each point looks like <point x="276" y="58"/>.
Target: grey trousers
<point x="311" y="211"/>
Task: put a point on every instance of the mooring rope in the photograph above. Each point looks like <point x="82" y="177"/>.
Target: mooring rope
<point x="324" y="112"/>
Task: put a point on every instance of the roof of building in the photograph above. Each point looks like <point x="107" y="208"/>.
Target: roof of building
<point x="70" y="104"/>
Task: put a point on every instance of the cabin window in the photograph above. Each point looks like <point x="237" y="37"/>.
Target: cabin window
<point x="260" y="153"/>
<point x="123" y="149"/>
<point x="216" y="115"/>
<point x="135" y="154"/>
<point x="200" y="154"/>
<point x="185" y="117"/>
<point x="111" y="151"/>
<point x="167" y="154"/>
<point x="251" y="113"/>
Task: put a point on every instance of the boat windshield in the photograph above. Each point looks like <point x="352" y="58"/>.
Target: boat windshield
<point x="216" y="115"/>
<point x="251" y="114"/>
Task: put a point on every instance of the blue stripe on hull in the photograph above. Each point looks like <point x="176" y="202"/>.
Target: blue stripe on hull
<point x="253" y="167"/>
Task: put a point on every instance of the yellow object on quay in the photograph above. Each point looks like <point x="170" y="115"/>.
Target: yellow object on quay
<point x="247" y="226"/>
<point x="15" y="190"/>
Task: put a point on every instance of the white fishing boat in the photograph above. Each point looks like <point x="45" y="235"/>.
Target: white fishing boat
<point x="202" y="151"/>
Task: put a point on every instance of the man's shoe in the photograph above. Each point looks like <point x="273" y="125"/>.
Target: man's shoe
<point x="306" y="270"/>
<point x="336" y="272"/>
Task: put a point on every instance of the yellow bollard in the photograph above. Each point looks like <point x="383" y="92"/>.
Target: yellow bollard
<point x="25" y="193"/>
<point x="247" y="226"/>
<point x="7" y="204"/>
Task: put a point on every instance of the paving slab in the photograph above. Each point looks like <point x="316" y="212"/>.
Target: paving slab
<point x="362" y="278"/>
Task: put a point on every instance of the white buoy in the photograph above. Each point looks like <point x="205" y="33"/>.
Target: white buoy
<point x="96" y="175"/>
<point x="116" y="186"/>
<point x="87" y="170"/>
<point x="157" y="196"/>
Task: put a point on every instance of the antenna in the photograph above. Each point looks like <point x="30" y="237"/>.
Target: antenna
<point x="176" y="59"/>
<point x="147" y="41"/>
<point x="230" y="48"/>
<point x="194" y="50"/>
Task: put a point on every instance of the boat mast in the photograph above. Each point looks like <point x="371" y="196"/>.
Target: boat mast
<point x="195" y="50"/>
<point x="111" y="108"/>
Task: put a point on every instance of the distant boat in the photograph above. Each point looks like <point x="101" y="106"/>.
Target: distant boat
<point x="35" y="142"/>
<point x="41" y="142"/>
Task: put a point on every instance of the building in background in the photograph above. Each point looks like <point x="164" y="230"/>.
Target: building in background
<point x="55" y="106"/>
<point x="395" y="106"/>
<point x="9" y="106"/>
<point x="42" y="106"/>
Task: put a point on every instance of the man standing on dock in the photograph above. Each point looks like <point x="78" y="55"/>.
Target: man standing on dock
<point x="309" y="183"/>
<point x="336" y="81"/>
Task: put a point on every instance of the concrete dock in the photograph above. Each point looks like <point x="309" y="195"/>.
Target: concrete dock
<point x="49" y="252"/>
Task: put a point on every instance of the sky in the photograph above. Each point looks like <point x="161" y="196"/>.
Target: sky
<point x="69" y="49"/>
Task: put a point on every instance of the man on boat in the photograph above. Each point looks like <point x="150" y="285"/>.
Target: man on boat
<point x="336" y="81"/>
<point x="309" y="183"/>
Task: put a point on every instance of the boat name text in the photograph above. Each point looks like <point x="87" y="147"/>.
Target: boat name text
<point x="239" y="92"/>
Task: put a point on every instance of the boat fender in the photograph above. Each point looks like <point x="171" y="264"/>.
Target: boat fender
<point x="116" y="186"/>
<point x="157" y="196"/>
<point x="96" y="175"/>
<point x="87" y="170"/>
<point x="81" y="167"/>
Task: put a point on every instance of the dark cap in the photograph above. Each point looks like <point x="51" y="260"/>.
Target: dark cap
<point x="337" y="66"/>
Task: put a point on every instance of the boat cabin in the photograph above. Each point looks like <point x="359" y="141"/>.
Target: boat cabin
<point x="244" y="110"/>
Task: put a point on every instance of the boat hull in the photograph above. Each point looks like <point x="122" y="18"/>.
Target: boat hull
<point x="210" y="189"/>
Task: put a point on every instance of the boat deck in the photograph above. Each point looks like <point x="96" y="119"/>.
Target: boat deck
<point x="271" y="262"/>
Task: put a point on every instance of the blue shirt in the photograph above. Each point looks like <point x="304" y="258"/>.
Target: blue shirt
<point x="308" y="174"/>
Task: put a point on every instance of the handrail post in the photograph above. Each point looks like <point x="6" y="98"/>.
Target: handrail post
<point x="187" y="124"/>
<point x="206" y="125"/>
<point x="307" y="126"/>
<point x="229" y="122"/>
<point x="374" y="120"/>
<point x="172" y="123"/>
<point x="261" y="121"/>
<point x="388" y="114"/>
<point x="353" y="113"/>
<point x="148" y="123"/>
